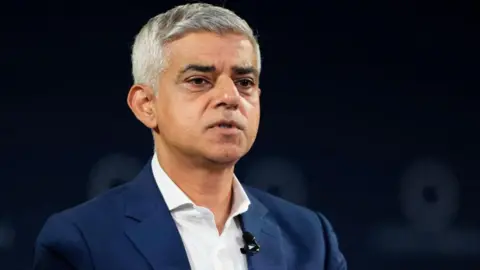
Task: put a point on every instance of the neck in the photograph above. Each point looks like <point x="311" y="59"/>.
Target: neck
<point x="206" y="186"/>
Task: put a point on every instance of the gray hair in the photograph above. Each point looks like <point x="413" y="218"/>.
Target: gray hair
<point x="148" y="57"/>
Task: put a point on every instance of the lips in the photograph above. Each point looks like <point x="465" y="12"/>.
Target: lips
<point x="227" y="124"/>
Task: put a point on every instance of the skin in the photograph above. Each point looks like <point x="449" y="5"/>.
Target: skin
<point x="207" y="78"/>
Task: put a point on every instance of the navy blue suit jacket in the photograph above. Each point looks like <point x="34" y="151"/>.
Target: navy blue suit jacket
<point x="130" y="227"/>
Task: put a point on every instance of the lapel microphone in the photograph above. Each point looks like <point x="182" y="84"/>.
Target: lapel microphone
<point x="251" y="246"/>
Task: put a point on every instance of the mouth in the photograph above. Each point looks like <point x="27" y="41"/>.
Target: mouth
<point x="226" y="125"/>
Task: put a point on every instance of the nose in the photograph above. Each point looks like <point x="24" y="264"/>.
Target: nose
<point x="227" y="94"/>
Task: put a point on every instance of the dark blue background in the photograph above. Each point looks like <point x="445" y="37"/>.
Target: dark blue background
<point x="355" y="93"/>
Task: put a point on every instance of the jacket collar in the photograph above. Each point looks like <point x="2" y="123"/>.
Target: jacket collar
<point x="153" y="231"/>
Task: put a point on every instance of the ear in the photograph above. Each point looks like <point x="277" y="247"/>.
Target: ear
<point x="141" y="101"/>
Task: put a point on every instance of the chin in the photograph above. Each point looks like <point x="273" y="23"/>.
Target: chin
<point x="226" y="155"/>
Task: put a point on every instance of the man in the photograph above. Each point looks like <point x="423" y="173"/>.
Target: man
<point x="196" y="70"/>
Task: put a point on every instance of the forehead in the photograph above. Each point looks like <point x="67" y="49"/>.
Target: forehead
<point x="222" y="51"/>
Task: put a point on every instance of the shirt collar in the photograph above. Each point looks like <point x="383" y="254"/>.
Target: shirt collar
<point x="175" y="198"/>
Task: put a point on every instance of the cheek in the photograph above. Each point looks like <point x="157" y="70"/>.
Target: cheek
<point x="186" y="116"/>
<point x="170" y="115"/>
<point x="250" y="107"/>
<point x="253" y="114"/>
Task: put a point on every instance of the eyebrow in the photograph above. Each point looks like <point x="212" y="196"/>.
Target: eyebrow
<point x="237" y="70"/>
<point x="199" y="68"/>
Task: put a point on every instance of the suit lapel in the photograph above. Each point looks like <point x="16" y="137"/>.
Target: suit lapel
<point x="153" y="231"/>
<point x="268" y="235"/>
<point x="150" y="225"/>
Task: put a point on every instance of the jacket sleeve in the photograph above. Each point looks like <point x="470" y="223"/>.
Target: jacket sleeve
<point x="334" y="257"/>
<point x="61" y="246"/>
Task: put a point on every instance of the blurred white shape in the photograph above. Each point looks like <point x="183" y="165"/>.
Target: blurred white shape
<point x="7" y="235"/>
<point x="429" y="195"/>
<point x="280" y="177"/>
<point x="430" y="200"/>
<point x="403" y="241"/>
<point x="110" y="171"/>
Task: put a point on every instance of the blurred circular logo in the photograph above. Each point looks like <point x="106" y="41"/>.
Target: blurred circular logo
<point x="279" y="177"/>
<point x="429" y="195"/>
<point x="111" y="171"/>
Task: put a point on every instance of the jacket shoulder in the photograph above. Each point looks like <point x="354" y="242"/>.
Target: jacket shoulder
<point x="280" y="206"/>
<point x="102" y="207"/>
<point x="295" y="219"/>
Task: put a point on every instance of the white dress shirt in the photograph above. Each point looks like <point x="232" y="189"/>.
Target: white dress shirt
<point x="205" y="248"/>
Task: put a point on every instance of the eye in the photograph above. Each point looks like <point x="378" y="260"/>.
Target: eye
<point x="245" y="83"/>
<point x="198" y="84"/>
<point x="198" y="81"/>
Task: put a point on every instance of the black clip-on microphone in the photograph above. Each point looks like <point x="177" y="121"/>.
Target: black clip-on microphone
<point x="251" y="246"/>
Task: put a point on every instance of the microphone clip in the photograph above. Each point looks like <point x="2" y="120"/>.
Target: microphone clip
<point x="251" y="246"/>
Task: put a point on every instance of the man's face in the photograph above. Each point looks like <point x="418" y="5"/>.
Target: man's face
<point x="207" y="104"/>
